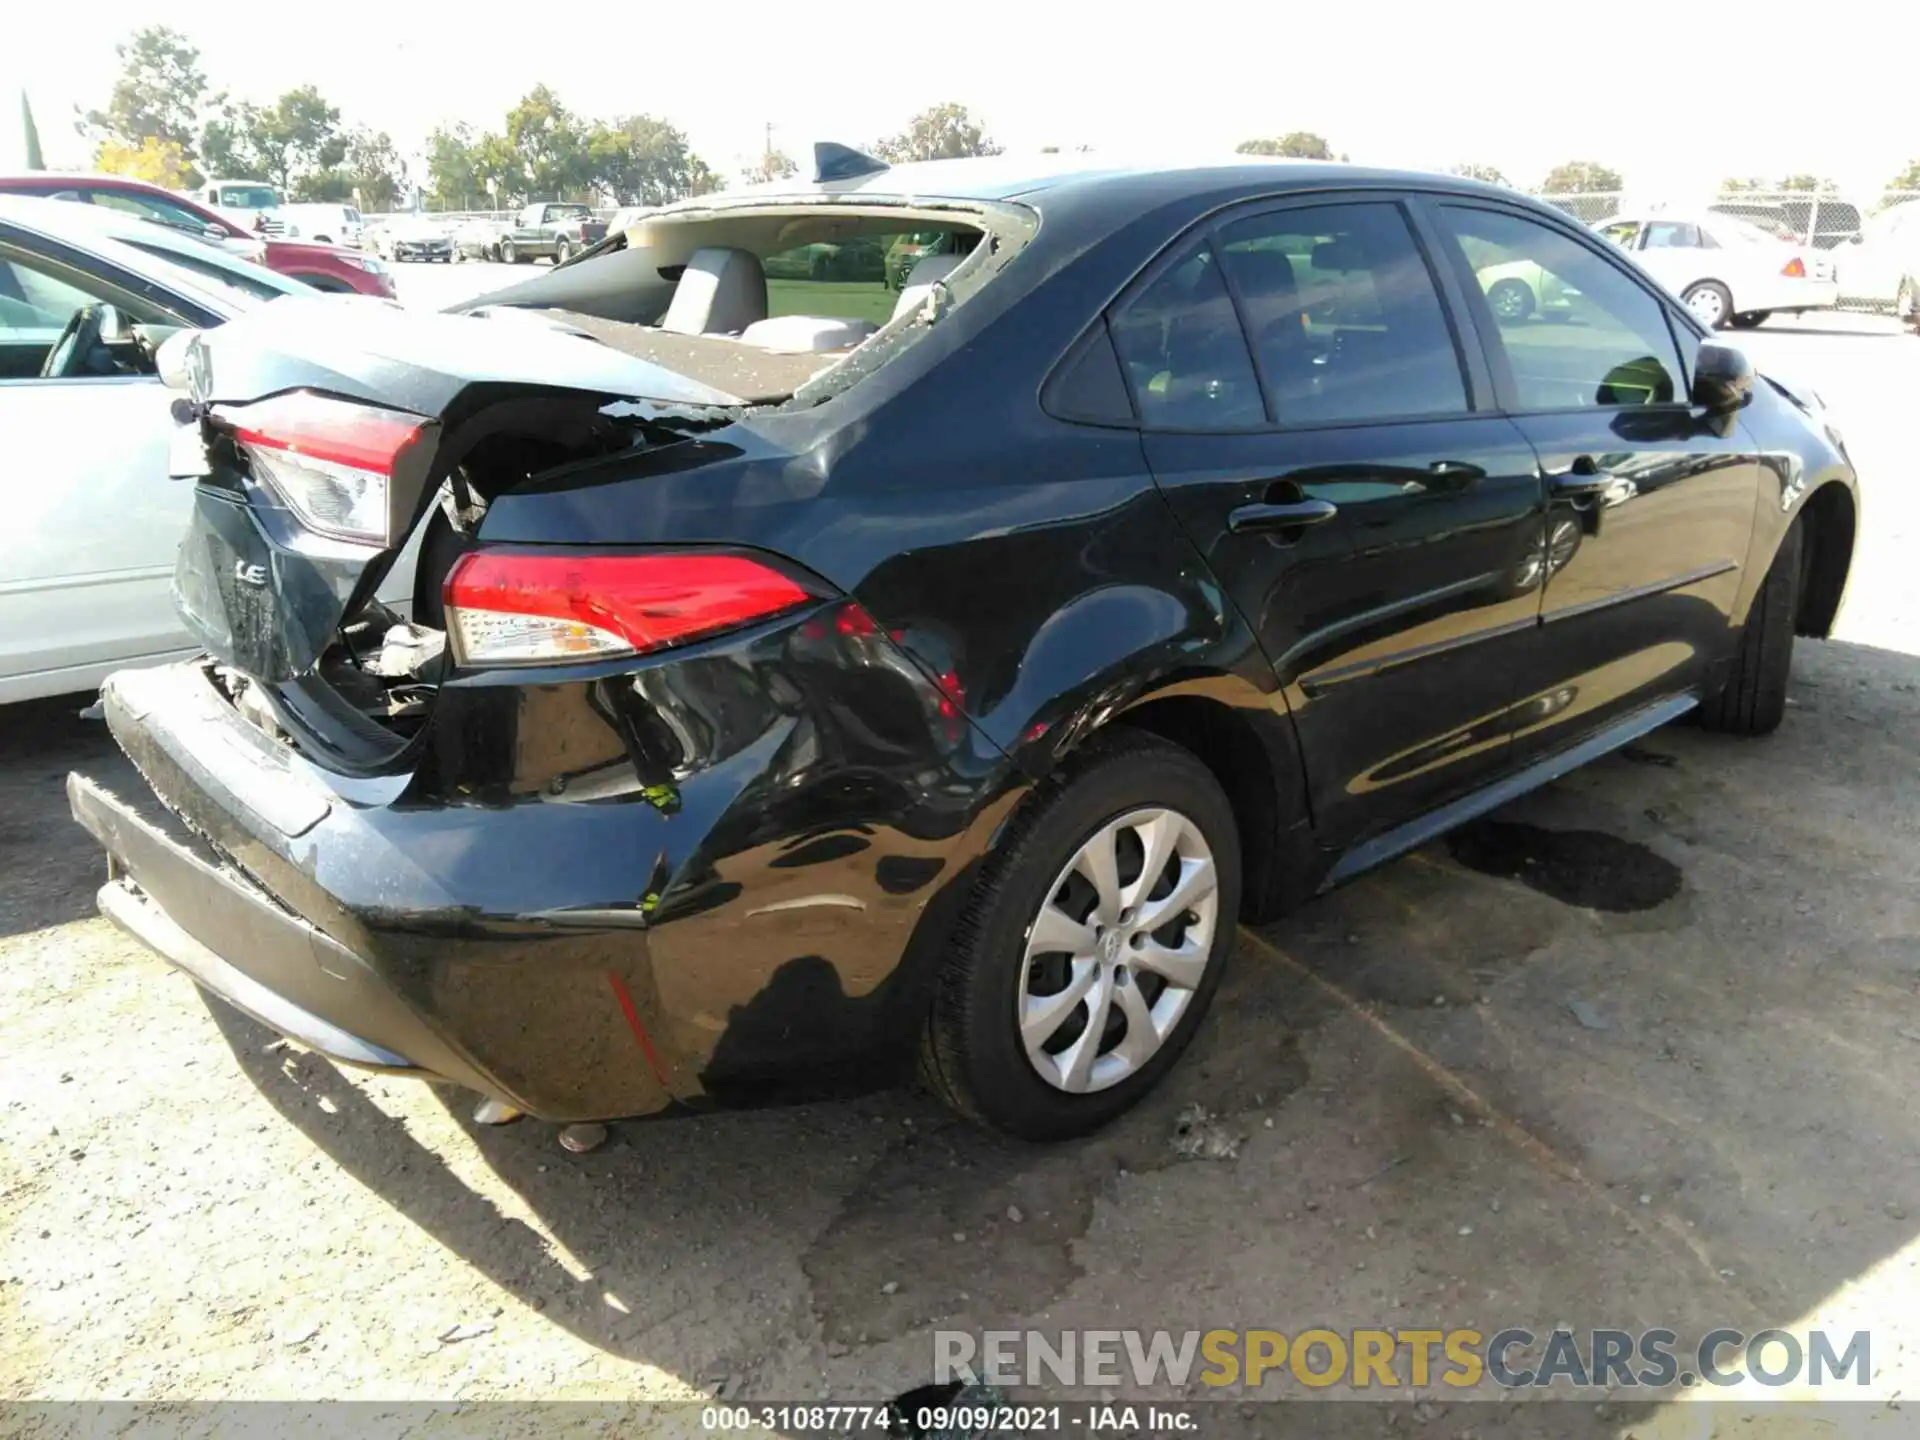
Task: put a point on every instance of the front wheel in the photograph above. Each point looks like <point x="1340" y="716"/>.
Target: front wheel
<point x="1750" y="319"/>
<point x="1906" y="305"/>
<point x="1092" y="944"/>
<point x="508" y="254"/>
<point x="1511" y="300"/>
<point x="1754" y="699"/>
<point x="1710" y="301"/>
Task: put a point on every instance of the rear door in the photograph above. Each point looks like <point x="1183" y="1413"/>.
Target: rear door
<point x="1650" y="506"/>
<point x="1326" y="437"/>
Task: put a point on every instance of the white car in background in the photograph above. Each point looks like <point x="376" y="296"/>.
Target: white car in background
<point x="87" y="298"/>
<point x="1726" y="271"/>
<point x="321" y="224"/>
<point x="1880" y="267"/>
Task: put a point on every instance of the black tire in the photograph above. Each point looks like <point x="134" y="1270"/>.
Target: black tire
<point x="1750" y="319"/>
<point x="509" y="254"/>
<point x="1754" y="700"/>
<point x="1511" y="300"/>
<point x="1702" y="289"/>
<point x="562" y="251"/>
<point x="1906" y="304"/>
<point x="971" y="1053"/>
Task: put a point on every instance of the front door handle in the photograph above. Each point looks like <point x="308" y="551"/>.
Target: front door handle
<point x="1265" y="519"/>
<point x="1581" y="480"/>
<point x="1454" y="474"/>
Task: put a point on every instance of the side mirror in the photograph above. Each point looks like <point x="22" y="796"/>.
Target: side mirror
<point x="171" y="359"/>
<point x="1722" y="378"/>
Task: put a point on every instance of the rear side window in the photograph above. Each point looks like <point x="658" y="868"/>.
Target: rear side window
<point x="1184" y="353"/>
<point x="1343" y="314"/>
<point x="1577" y="331"/>
<point x="1672" y="235"/>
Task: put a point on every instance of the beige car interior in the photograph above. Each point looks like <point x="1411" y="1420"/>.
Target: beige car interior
<point x="722" y="288"/>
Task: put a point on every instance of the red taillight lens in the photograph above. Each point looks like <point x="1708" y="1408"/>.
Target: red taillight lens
<point x="330" y="460"/>
<point x="522" y="607"/>
<point x="1796" y="269"/>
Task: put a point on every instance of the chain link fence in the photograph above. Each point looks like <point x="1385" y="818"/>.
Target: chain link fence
<point x="1821" y="221"/>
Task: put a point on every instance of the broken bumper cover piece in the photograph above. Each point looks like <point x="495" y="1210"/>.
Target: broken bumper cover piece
<point x="297" y="981"/>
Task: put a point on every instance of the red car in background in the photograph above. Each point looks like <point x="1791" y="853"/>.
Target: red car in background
<point x="325" y="267"/>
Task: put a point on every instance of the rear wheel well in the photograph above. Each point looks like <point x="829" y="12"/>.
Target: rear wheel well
<point x="1827" y="522"/>
<point x="1228" y="746"/>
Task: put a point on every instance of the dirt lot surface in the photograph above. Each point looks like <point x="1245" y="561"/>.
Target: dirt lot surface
<point x="1641" y="1050"/>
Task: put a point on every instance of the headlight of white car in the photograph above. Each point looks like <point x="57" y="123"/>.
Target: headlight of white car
<point x="366" y="262"/>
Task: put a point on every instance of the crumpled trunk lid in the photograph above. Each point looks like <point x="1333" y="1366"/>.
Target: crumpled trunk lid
<point x="259" y="586"/>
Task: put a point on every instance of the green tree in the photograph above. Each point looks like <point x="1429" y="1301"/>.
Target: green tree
<point x="639" y="160"/>
<point x="551" y="146"/>
<point x="1489" y="173"/>
<point x="774" y="165"/>
<point x="453" y="168"/>
<point x="286" y="142"/>
<point x="1811" y="184"/>
<point x="372" y="174"/>
<point x="1295" y="145"/>
<point x="157" y="95"/>
<point x="1738" y="185"/>
<point x="30" y="136"/>
<point x="1581" y="177"/>
<point x="943" y="132"/>
<point x="1907" y="179"/>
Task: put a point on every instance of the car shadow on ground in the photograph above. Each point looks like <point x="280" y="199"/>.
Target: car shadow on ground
<point x="1628" y="1054"/>
<point x="53" y="867"/>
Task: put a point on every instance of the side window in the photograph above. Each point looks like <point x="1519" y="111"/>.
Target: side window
<point x="1670" y="235"/>
<point x="148" y="207"/>
<point x="1183" y="351"/>
<point x="1343" y="314"/>
<point x="1622" y="232"/>
<point x="1576" y="330"/>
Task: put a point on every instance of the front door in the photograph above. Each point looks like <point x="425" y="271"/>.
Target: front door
<point x="1326" y="439"/>
<point x="1650" y="505"/>
<point x="86" y="554"/>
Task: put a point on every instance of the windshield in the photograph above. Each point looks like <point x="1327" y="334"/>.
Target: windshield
<point x="249" y="197"/>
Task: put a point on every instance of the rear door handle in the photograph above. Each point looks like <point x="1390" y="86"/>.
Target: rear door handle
<point x="1265" y="519"/>
<point x="1581" y="480"/>
<point x="1455" y="474"/>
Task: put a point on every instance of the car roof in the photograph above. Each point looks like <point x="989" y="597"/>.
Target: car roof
<point x="129" y="242"/>
<point x="1023" y="177"/>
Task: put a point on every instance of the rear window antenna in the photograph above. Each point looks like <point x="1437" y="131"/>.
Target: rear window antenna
<point x="833" y="161"/>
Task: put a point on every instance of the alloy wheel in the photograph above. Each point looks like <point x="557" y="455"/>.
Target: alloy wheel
<point x="1118" y="949"/>
<point x="1707" y="305"/>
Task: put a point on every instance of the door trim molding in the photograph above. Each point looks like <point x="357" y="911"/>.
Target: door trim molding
<point x="1418" y="831"/>
<point x="1637" y="592"/>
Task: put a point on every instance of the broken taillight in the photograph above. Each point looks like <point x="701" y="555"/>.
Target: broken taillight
<point x="526" y="607"/>
<point x="1795" y="269"/>
<point x="330" y="460"/>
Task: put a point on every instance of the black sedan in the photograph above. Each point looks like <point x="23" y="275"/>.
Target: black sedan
<point x="808" y="678"/>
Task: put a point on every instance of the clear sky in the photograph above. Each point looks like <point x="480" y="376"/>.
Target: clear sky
<point x="1675" y="95"/>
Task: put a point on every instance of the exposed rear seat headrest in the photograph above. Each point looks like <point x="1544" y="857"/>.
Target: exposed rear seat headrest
<point x="721" y="292"/>
<point x="921" y="279"/>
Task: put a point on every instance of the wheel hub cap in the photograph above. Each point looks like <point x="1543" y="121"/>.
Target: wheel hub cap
<point x="1118" y="949"/>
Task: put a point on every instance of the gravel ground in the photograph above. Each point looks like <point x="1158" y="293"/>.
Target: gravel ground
<point x="1639" y="1050"/>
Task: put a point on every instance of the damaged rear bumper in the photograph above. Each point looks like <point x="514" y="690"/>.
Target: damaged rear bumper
<point x="296" y="977"/>
<point x="232" y="899"/>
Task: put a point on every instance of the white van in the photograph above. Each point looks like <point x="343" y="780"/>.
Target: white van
<point x="253" y="205"/>
<point x="322" y="224"/>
